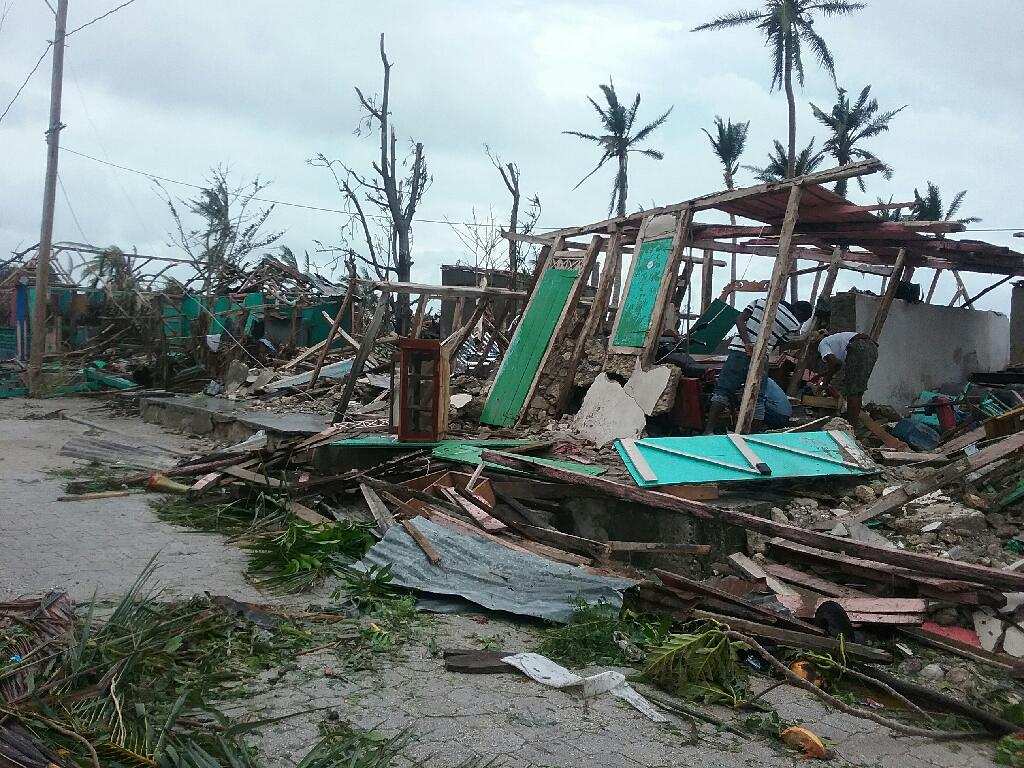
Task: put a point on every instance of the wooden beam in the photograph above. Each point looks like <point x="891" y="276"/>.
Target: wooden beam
<point x="992" y="287"/>
<point x="680" y="238"/>
<point x="759" y="359"/>
<point x="335" y="325"/>
<point x="826" y="293"/>
<point x="931" y="288"/>
<point x="595" y="317"/>
<point x="890" y="294"/>
<point x="706" y="281"/>
<point x="718" y="199"/>
<point x="926" y="564"/>
<point x="361" y="356"/>
<point x="421" y="308"/>
<point x="443" y="291"/>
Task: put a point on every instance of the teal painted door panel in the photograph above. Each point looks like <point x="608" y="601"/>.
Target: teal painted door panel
<point x="527" y="348"/>
<point x="670" y="469"/>
<point x="642" y="293"/>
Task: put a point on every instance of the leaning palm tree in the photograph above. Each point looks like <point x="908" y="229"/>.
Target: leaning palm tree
<point x="777" y="168"/>
<point x="728" y="145"/>
<point x="787" y="25"/>
<point x="851" y="124"/>
<point x="930" y="207"/>
<point x="618" y="140"/>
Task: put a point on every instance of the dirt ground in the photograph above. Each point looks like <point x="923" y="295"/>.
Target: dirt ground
<point x="101" y="546"/>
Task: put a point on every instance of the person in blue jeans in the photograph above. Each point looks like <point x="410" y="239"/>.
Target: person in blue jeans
<point x="785" y="334"/>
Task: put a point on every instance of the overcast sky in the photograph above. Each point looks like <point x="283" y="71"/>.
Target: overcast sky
<point x="173" y="88"/>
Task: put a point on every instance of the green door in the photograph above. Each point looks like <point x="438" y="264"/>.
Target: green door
<point x="527" y="348"/>
<point x="642" y="293"/>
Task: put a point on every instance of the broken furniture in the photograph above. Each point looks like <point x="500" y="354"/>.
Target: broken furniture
<point x="422" y="392"/>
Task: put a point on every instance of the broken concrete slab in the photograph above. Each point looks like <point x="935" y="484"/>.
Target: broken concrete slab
<point x="989" y="628"/>
<point x="609" y="413"/>
<point x="236" y="376"/>
<point x="654" y="389"/>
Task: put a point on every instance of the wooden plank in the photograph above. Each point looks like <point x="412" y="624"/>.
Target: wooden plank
<point x="378" y="508"/>
<point x="252" y="477"/>
<point x="679" y="582"/>
<point x="707" y="280"/>
<point x="595" y="318"/>
<point x="752" y="458"/>
<point x="873" y="570"/>
<point x="759" y="358"/>
<point x="658" y="548"/>
<point x="335" y="325"/>
<point x="931" y="288"/>
<point x="598" y="550"/>
<point x="360" y="359"/>
<point x="479" y="515"/>
<point x="749" y="568"/>
<point x="926" y="564"/>
<point x="810" y="581"/>
<point x="876" y="429"/>
<point x="639" y="462"/>
<point x="718" y="199"/>
<point x="792" y="639"/>
<point x="443" y="291"/>
<point x="422" y="541"/>
<point x="941" y="477"/>
<point x="826" y="293"/>
<point x="705" y="492"/>
<point x="306" y="514"/>
<point x="890" y="294"/>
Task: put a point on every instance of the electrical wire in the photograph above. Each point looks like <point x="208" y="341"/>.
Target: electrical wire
<point x="99" y="18"/>
<point x="74" y="215"/>
<point x="28" y="77"/>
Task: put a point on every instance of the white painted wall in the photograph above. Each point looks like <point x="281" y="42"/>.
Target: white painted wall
<point x="924" y="346"/>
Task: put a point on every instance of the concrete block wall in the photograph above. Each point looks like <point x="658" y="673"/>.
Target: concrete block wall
<point x="924" y="346"/>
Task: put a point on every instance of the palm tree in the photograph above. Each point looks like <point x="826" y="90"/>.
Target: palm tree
<point x="851" y="124"/>
<point x="888" y="213"/>
<point x="777" y="168"/>
<point x="728" y="145"/>
<point x="930" y="208"/>
<point x="787" y="25"/>
<point x="617" y="141"/>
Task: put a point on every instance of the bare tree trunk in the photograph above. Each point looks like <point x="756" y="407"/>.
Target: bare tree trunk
<point x="731" y="184"/>
<point x="794" y="281"/>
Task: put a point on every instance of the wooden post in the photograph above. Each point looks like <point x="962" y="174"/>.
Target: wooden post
<point x="331" y="333"/>
<point x="597" y="313"/>
<point x="813" y="300"/>
<point x="931" y="288"/>
<point x="707" y="271"/>
<point x="360" y="359"/>
<point x="42" y="298"/>
<point x="759" y="360"/>
<point x="826" y="293"/>
<point x="961" y="289"/>
<point x="421" y="308"/>
<point x="890" y="293"/>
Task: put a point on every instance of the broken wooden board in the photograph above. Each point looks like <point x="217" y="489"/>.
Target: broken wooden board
<point x="553" y="298"/>
<point x="748" y="567"/>
<point x="472" y="453"/>
<point x="716" y="458"/>
<point x="867" y="610"/>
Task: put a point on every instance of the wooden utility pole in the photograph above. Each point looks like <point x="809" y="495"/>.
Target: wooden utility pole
<point x="42" y="299"/>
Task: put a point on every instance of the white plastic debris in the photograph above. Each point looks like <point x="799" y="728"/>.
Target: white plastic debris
<point x="546" y="672"/>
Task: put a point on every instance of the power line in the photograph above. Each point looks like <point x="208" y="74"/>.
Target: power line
<point x="25" y="82"/>
<point x="350" y="214"/>
<point x="74" y="215"/>
<point x="99" y="18"/>
<point x="305" y="206"/>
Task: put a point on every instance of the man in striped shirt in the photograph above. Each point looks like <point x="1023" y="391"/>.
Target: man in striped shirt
<point x="785" y="334"/>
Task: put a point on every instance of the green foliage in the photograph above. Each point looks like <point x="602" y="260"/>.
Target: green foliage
<point x="701" y="665"/>
<point x="807" y="160"/>
<point x="302" y="555"/>
<point x="390" y="618"/>
<point x="929" y="207"/>
<point x="1010" y="751"/>
<point x="728" y="144"/>
<point x="589" y="638"/>
<point x="618" y="140"/>
<point x="342" y="745"/>
<point x="143" y="686"/>
<point x="849" y="124"/>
